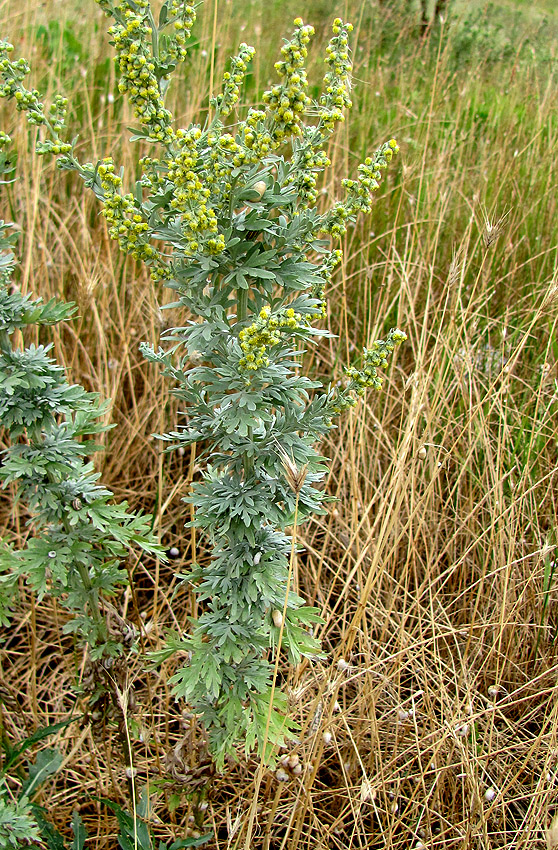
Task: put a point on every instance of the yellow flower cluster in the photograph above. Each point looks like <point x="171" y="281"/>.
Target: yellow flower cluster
<point x="153" y="174"/>
<point x="310" y="160"/>
<point x="56" y="119"/>
<point x="358" y="380"/>
<point x="336" y="220"/>
<point x="138" y="71"/>
<point x="184" y="17"/>
<point x="359" y="192"/>
<point x="226" y="154"/>
<point x="337" y="81"/>
<point x="49" y="146"/>
<point x="126" y="225"/>
<point x="57" y="112"/>
<point x="263" y="334"/>
<point x="374" y="358"/>
<point x="325" y="272"/>
<point x="233" y="80"/>
<point x="288" y="100"/>
<point x="256" y="136"/>
<point x="190" y="196"/>
<point x="11" y="75"/>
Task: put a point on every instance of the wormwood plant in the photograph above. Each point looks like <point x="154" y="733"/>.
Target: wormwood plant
<point x="226" y="215"/>
<point x="78" y="535"/>
<point x="22" y="822"/>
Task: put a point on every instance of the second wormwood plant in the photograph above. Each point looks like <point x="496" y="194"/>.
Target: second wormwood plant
<point x="78" y="535"/>
<point x="225" y="214"/>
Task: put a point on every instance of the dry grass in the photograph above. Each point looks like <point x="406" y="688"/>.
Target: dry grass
<point x="433" y="721"/>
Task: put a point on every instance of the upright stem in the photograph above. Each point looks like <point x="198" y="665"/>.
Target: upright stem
<point x="5" y="342"/>
<point x="93" y="595"/>
<point x="242" y="300"/>
<point x="259" y="775"/>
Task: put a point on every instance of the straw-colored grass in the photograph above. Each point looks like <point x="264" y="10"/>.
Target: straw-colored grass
<point x="433" y="722"/>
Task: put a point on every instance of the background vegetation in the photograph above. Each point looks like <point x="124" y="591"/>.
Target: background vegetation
<point x="433" y="721"/>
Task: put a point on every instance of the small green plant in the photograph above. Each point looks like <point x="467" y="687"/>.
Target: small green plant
<point x="134" y="832"/>
<point x="226" y="215"/>
<point x="17" y="823"/>
<point x="79" y="536"/>
<point x="23" y="822"/>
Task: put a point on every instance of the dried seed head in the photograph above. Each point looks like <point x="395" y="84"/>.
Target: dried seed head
<point x="551" y="295"/>
<point x="492" y="230"/>
<point x="296" y="476"/>
<point x="456" y="267"/>
<point x="552" y="833"/>
<point x="367" y="792"/>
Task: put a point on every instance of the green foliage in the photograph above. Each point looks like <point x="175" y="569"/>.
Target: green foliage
<point x="134" y="832"/>
<point x="23" y="822"/>
<point x="80" y="537"/>
<point x="227" y="217"/>
<point x="496" y="35"/>
<point x="17" y="823"/>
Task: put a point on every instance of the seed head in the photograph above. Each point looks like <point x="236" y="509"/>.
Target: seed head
<point x="296" y="476"/>
<point x="492" y="230"/>
<point x="367" y="793"/>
